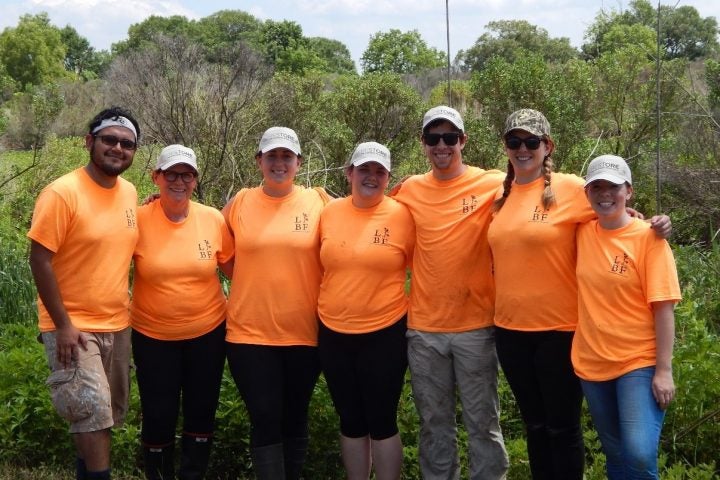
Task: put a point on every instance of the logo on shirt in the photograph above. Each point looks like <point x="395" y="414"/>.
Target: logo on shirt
<point x="205" y="251"/>
<point x="620" y="264"/>
<point x="540" y="215"/>
<point x="469" y="205"/>
<point x="302" y="223"/>
<point x="381" y="236"/>
<point x="130" y="217"/>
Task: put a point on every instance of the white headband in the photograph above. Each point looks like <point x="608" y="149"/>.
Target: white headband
<point x="115" y="122"/>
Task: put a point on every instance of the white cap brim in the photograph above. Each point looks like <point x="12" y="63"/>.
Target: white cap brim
<point x="616" y="179"/>
<point x="363" y="161"/>
<point x="282" y="144"/>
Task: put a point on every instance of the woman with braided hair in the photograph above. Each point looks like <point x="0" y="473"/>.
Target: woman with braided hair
<point x="532" y="237"/>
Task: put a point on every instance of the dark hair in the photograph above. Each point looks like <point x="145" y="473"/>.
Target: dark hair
<point x="112" y="113"/>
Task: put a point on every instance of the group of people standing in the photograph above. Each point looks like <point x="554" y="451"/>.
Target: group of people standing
<point x="537" y="272"/>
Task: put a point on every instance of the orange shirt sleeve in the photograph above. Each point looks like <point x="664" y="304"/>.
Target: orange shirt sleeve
<point x="176" y="291"/>
<point x="620" y="273"/>
<point x="92" y="231"/>
<point x="365" y="253"/>
<point x="452" y="288"/>
<point x="277" y="272"/>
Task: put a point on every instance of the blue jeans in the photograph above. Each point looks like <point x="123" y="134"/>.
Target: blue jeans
<point x="628" y="421"/>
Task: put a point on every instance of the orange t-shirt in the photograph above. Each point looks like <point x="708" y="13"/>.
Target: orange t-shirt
<point x="176" y="289"/>
<point x="276" y="279"/>
<point x="620" y="273"/>
<point x="365" y="253"/>
<point x="452" y="288"/>
<point x="92" y="231"/>
<point x="534" y="255"/>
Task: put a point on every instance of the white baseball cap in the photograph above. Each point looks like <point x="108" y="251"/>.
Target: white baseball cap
<point x="279" y="137"/>
<point x="175" y="154"/>
<point x="443" y="112"/>
<point x="608" y="167"/>
<point x="371" y="152"/>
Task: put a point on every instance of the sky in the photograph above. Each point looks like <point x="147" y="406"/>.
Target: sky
<point x="352" y="22"/>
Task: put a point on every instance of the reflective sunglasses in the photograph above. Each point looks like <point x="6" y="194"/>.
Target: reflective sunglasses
<point x="112" y="140"/>
<point x="514" y="143"/>
<point x="450" y="138"/>
<point x="171" y="176"/>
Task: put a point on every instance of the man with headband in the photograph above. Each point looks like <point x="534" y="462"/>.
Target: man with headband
<point x="83" y="234"/>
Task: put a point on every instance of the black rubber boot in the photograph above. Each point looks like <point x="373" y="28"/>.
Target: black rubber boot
<point x="268" y="462"/>
<point x="294" y="450"/>
<point x="80" y="469"/>
<point x="194" y="457"/>
<point x="159" y="462"/>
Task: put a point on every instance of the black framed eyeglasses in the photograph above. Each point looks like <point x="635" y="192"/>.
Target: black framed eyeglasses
<point x="514" y="143"/>
<point x="112" y="140"/>
<point x="450" y="138"/>
<point x="171" y="176"/>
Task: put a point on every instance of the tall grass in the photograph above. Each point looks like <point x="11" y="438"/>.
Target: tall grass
<point x="17" y="291"/>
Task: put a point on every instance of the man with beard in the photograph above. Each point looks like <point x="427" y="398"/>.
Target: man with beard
<point x="82" y="235"/>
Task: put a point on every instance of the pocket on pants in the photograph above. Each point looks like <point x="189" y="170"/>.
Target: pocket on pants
<point x="72" y="395"/>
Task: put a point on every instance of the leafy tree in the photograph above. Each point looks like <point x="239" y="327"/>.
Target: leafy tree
<point x="684" y="34"/>
<point x="211" y="107"/>
<point x="80" y="57"/>
<point x="335" y="54"/>
<point x="300" y="59"/>
<point x="563" y="92"/>
<point x="284" y="46"/>
<point x="144" y="34"/>
<point x="624" y="114"/>
<point x="508" y="39"/>
<point x="459" y="95"/>
<point x="32" y="113"/>
<point x="400" y="52"/>
<point x="226" y="28"/>
<point x="375" y="106"/>
<point x="7" y="85"/>
<point x="33" y="52"/>
<point x="712" y="77"/>
<point x="619" y="36"/>
<point x="687" y="35"/>
<point x="293" y="101"/>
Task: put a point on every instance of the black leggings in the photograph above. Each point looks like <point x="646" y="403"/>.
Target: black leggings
<point x="538" y="368"/>
<point x="168" y="368"/>
<point x="365" y="373"/>
<point x="276" y="384"/>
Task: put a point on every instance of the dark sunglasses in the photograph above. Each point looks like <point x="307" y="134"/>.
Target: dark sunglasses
<point x="514" y="143"/>
<point x="112" y="140"/>
<point x="171" y="176"/>
<point x="450" y="138"/>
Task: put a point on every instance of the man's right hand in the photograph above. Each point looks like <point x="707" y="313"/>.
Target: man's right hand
<point x="67" y="340"/>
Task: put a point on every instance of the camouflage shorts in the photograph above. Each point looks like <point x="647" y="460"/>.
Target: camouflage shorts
<point x="81" y="392"/>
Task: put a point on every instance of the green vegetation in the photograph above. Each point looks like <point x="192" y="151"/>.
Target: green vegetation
<point x="217" y="83"/>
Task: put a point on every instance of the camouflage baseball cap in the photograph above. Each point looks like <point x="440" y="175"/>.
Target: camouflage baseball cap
<point x="528" y="120"/>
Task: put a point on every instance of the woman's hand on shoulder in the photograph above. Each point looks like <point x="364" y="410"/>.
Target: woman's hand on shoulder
<point x="150" y="199"/>
<point x="396" y="188"/>
<point x="662" y="226"/>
